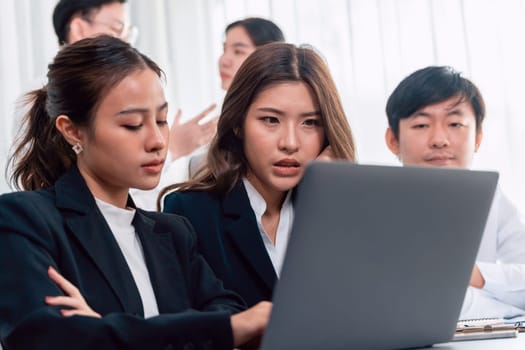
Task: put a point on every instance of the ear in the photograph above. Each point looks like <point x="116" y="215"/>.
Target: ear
<point x="70" y="131"/>
<point x="391" y="141"/>
<point x="479" y="138"/>
<point x="77" y="30"/>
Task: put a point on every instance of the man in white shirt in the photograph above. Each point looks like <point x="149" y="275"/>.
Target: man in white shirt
<point x="435" y="118"/>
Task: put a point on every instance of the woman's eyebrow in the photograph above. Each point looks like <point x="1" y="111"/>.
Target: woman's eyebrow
<point x="139" y="110"/>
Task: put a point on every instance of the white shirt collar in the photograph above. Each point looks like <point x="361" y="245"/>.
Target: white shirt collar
<point x="121" y="217"/>
<point x="120" y="221"/>
<point x="275" y="251"/>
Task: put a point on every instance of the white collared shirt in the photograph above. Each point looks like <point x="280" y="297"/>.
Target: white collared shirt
<point x="501" y="260"/>
<point x="119" y="221"/>
<point x="258" y="204"/>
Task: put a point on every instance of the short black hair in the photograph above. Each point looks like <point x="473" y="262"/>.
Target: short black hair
<point x="261" y="31"/>
<point x="431" y="85"/>
<point x="65" y="9"/>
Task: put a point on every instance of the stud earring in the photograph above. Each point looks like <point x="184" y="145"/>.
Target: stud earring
<point x="77" y="148"/>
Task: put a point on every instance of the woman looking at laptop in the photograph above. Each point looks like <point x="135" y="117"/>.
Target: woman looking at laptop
<point x="281" y="112"/>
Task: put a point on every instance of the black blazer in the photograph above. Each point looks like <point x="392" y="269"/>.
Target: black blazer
<point x="64" y="228"/>
<point x="229" y="239"/>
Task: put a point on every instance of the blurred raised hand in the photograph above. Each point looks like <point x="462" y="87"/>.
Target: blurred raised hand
<point x="188" y="136"/>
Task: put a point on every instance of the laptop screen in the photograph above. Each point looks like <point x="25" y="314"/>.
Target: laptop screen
<point x="379" y="257"/>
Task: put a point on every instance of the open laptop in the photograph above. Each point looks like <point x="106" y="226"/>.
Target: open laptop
<point x="379" y="257"/>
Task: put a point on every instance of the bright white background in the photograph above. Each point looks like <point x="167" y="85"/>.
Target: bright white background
<point x="369" y="46"/>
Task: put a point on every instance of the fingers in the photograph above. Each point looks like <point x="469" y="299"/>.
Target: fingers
<point x="178" y="116"/>
<point x="210" y="127"/>
<point x="212" y="123"/>
<point x="63" y="283"/>
<point x="207" y="111"/>
<point x="69" y="313"/>
<point x="73" y="298"/>
<point x="207" y="136"/>
<point x="63" y="301"/>
<point x="78" y="307"/>
<point x="206" y="132"/>
<point x="326" y="154"/>
<point x="249" y="325"/>
<point x="204" y="113"/>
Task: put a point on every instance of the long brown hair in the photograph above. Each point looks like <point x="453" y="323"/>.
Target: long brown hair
<point x="78" y="78"/>
<point x="270" y="64"/>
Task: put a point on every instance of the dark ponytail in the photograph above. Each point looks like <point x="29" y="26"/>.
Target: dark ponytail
<point x="41" y="155"/>
<point x="78" y="79"/>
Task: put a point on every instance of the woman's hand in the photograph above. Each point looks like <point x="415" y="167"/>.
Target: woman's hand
<point x="326" y="154"/>
<point x="248" y="326"/>
<point x="73" y="298"/>
<point x="476" y="279"/>
<point x="188" y="136"/>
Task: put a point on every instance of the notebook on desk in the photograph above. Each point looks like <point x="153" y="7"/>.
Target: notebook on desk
<point x="379" y="257"/>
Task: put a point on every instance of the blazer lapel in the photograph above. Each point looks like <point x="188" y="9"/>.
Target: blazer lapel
<point x="169" y="292"/>
<point x="87" y="224"/>
<point x="241" y="225"/>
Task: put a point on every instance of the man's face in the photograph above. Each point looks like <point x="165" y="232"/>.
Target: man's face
<point x="440" y="134"/>
<point x="110" y="19"/>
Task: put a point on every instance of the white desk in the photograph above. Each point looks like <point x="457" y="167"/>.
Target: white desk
<point x="486" y="344"/>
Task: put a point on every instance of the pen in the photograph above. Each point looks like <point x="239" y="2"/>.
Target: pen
<point x="520" y="325"/>
<point x="487" y="328"/>
<point x="485" y="333"/>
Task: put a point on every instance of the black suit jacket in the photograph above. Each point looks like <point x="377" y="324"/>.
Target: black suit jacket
<point x="229" y="239"/>
<point x="63" y="227"/>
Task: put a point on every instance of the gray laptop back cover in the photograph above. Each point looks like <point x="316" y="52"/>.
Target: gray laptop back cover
<point x="379" y="257"/>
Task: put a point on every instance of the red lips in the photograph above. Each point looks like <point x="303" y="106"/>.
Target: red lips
<point x="287" y="167"/>
<point x="288" y="162"/>
<point x="154" y="167"/>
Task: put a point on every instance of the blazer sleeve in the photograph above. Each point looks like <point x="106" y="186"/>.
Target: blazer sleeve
<point x="27" y="247"/>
